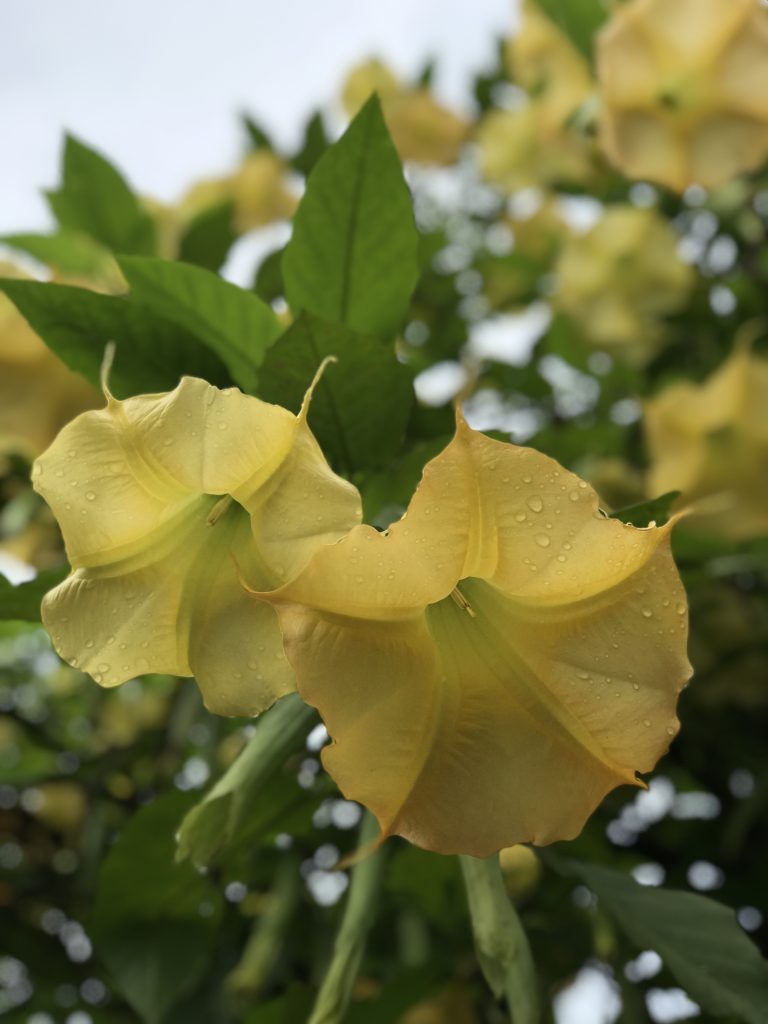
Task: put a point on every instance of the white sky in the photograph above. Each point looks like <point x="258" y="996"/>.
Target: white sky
<point x="157" y="84"/>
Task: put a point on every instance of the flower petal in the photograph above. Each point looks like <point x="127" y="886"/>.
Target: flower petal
<point x="178" y="609"/>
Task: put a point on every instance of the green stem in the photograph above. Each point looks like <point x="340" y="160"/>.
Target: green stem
<point x="500" y="940"/>
<point x="210" y="826"/>
<point x="247" y="980"/>
<point x="333" y="997"/>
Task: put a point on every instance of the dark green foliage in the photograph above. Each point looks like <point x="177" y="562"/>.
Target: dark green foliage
<point x="94" y="198"/>
<point x="353" y="255"/>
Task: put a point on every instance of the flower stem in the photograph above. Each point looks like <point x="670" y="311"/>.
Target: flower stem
<point x="500" y="940"/>
<point x="359" y="914"/>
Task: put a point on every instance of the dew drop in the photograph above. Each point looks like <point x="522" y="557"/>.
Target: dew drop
<point x="110" y="641"/>
<point x="89" y="644"/>
<point x="520" y="517"/>
<point x="535" y="504"/>
<point x="647" y="723"/>
<point x="647" y="613"/>
<point x="37" y="470"/>
<point x="90" y="496"/>
<point x="574" y="495"/>
<point x="680" y="608"/>
<point x="635" y="686"/>
<point x="390" y="575"/>
<point x="359" y="579"/>
<point x="104" y="667"/>
<point x="72" y="453"/>
<point x="527" y="478"/>
<point x="582" y="674"/>
<point x="670" y="731"/>
<point x="96" y="676"/>
<point x="542" y="540"/>
<point x="567" y="546"/>
<point x="562" y="558"/>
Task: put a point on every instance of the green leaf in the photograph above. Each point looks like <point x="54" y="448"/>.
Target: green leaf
<point x="152" y="352"/>
<point x="699" y="940"/>
<point x="209" y="237"/>
<point x="257" y="137"/>
<point x="360" y="408"/>
<point x="268" y="283"/>
<point x="579" y="19"/>
<point x="68" y="252"/>
<point x="314" y="145"/>
<point x="657" y="510"/>
<point x="154" y="921"/>
<point x="232" y="322"/>
<point x="209" y="827"/>
<point x="22" y="603"/>
<point x="95" y="198"/>
<point x="353" y="257"/>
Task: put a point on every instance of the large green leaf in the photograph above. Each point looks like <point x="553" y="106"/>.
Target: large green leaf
<point x="152" y="352"/>
<point x="353" y="257"/>
<point x="232" y="322"/>
<point x="95" y="198"/>
<point x="67" y="252"/>
<point x="579" y="19"/>
<point x="699" y="940"/>
<point x="360" y="408"/>
<point x="213" y="823"/>
<point x="22" y="602"/>
<point x="154" y="921"/>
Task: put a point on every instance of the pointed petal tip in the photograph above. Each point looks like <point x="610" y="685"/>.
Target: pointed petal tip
<point x="304" y="411"/>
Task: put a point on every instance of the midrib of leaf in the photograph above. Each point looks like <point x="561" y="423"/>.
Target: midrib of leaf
<point x="349" y="241"/>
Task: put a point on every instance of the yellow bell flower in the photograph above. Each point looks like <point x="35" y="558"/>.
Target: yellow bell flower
<point x="544" y="62"/>
<point x="522" y="148"/>
<point x="162" y="499"/>
<point x="38" y="393"/>
<point x="710" y="441"/>
<point x="620" y="279"/>
<point x="495" y="663"/>
<point x="260" y="193"/>
<point x="685" y="89"/>
<point x="258" y="190"/>
<point x="533" y="146"/>
<point x="423" y="130"/>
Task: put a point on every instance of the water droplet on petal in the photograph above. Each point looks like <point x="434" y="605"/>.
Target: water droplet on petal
<point x="89" y="643"/>
<point x="647" y="723"/>
<point x="680" y="608"/>
<point x="647" y="613"/>
<point x="542" y="540"/>
<point x="520" y="517"/>
<point x="535" y="504"/>
<point x="90" y="496"/>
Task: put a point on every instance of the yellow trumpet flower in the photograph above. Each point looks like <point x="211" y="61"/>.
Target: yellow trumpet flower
<point x="685" y="89"/>
<point x="422" y="129"/>
<point x="710" y="441"/>
<point x="495" y="663"/>
<point x="620" y="279"/>
<point x="163" y="499"/>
